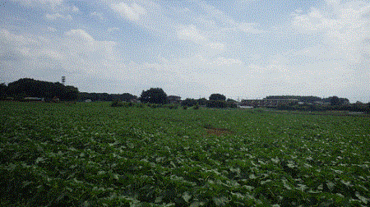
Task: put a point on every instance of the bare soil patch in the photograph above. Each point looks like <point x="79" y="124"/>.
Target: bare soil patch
<point x="218" y="131"/>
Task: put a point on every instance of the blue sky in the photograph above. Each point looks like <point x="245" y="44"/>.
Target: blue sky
<point x="241" y="48"/>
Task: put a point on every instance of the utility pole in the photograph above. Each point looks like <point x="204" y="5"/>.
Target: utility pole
<point x="63" y="80"/>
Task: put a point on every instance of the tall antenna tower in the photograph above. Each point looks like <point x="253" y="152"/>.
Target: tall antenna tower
<point x="63" y="80"/>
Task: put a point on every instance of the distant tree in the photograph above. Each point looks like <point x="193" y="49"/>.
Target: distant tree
<point x="35" y="88"/>
<point x="154" y="95"/>
<point x="71" y="93"/>
<point x="216" y="104"/>
<point x="217" y="97"/>
<point x="231" y="100"/>
<point x="334" y="101"/>
<point x="127" y="97"/>
<point x="3" y="89"/>
<point x="189" y="102"/>
<point x="202" y="101"/>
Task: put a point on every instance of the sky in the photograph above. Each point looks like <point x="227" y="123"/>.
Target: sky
<point x="243" y="49"/>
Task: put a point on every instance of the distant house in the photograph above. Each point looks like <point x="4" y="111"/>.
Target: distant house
<point x="88" y="100"/>
<point x="245" y="107"/>
<point x="135" y="100"/>
<point x="174" y="99"/>
<point x="33" y="99"/>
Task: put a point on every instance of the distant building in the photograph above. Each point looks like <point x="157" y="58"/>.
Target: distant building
<point x="245" y="107"/>
<point x="268" y="102"/>
<point x="135" y="100"/>
<point x="33" y="99"/>
<point x="174" y="99"/>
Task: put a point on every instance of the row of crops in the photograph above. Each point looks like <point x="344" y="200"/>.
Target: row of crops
<point x="90" y="154"/>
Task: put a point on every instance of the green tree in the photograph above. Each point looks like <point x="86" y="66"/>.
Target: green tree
<point x="202" y="101"/>
<point x="35" y="88"/>
<point x="127" y="97"/>
<point x="334" y="101"/>
<point x="154" y="95"/>
<point x="3" y="89"/>
<point x="217" y="97"/>
<point x="189" y="102"/>
<point x="216" y="104"/>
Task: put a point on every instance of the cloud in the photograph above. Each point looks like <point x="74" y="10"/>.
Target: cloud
<point x="75" y="9"/>
<point x="224" y="22"/>
<point x="341" y="55"/>
<point x="191" y="33"/>
<point x="76" y="52"/>
<point x="52" y="29"/>
<point x="113" y="29"/>
<point x="249" y="28"/>
<point x="80" y="34"/>
<point x="35" y="3"/>
<point x="345" y="28"/>
<point x="97" y="14"/>
<point x="132" y="12"/>
<point x="56" y="16"/>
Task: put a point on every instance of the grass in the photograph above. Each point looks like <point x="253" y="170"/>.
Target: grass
<point x="91" y="154"/>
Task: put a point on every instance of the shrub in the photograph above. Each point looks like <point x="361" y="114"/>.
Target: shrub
<point x="116" y="103"/>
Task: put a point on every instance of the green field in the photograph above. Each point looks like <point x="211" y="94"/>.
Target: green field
<point x="91" y="154"/>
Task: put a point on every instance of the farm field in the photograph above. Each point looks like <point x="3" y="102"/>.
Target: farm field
<point x="91" y="154"/>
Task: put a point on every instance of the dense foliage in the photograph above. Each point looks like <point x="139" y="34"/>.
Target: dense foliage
<point x="27" y="87"/>
<point x="106" y="97"/>
<point x="357" y="107"/>
<point x="217" y="97"/>
<point x="95" y="155"/>
<point x="334" y="100"/>
<point x="154" y="95"/>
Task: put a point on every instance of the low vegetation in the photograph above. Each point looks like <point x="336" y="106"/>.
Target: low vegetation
<point x="91" y="154"/>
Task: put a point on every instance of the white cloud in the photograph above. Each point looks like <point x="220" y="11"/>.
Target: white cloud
<point x="47" y="5"/>
<point x="342" y="50"/>
<point x="52" y="29"/>
<point x="97" y="14"/>
<point x="222" y="61"/>
<point x="56" y="16"/>
<point x="191" y="33"/>
<point x="221" y="21"/>
<point x="80" y="34"/>
<point x="34" y="3"/>
<point x="345" y="27"/>
<point x="75" y="9"/>
<point x="113" y="29"/>
<point x="77" y="52"/>
<point x="216" y="45"/>
<point x="132" y="12"/>
<point x="249" y="28"/>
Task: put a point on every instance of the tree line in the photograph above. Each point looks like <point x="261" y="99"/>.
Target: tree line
<point x="334" y="100"/>
<point x="158" y="96"/>
<point x="127" y="97"/>
<point x="27" y="87"/>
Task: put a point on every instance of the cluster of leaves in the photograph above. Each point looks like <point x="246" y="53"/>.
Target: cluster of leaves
<point x="94" y="155"/>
